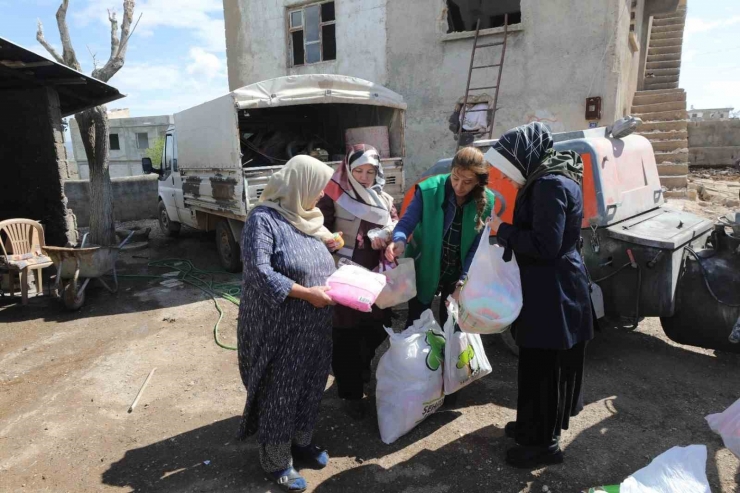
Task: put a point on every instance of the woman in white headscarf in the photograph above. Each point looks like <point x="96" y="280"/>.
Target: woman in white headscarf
<point x="285" y="320"/>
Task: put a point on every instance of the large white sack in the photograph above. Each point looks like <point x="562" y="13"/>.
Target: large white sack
<point x="678" y="469"/>
<point x="410" y="378"/>
<point x="465" y="358"/>
<point x="491" y="299"/>
<point x="727" y="425"/>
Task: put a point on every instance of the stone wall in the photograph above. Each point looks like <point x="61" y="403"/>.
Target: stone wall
<point x="33" y="162"/>
<point x="134" y="198"/>
<point x="714" y="143"/>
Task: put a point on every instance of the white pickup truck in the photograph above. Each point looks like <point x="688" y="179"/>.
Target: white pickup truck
<point x="219" y="155"/>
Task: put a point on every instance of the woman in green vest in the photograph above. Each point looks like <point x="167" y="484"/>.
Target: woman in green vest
<point x="446" y="218"/>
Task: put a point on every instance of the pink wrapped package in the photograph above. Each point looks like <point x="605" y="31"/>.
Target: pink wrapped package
<point x="355" y="287"/>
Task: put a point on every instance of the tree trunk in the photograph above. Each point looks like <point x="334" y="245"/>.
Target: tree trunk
<point x="93" y="125"/>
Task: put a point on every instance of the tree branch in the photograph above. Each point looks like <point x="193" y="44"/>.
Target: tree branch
<point x="128" y="17"/>
<point x="68" y="52"/>
<point x="118" y="47"/>
<point x="41" y="39"/>
<point x="114" y="42"/>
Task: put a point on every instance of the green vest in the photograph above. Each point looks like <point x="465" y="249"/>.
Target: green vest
<point x="426" y="245"/>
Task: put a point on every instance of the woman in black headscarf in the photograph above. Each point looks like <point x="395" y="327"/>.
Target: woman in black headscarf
<point x="556" y="320"/>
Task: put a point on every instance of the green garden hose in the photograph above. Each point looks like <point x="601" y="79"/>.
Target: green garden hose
<point x="203" y="280"/>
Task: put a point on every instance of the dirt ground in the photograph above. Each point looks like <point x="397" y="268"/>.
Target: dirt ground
<point x="67" y="380"/>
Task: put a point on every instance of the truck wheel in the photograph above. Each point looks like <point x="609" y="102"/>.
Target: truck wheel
<point x="168" y="228"/>
<point x="229" y="252"/>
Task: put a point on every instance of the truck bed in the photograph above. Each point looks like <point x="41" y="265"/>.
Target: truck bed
<point x="217" y="191"/>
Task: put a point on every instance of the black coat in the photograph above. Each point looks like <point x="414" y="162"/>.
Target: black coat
<point x="545" y="237"/>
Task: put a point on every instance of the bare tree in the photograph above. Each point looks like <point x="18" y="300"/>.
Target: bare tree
<point x="93" y="123"/>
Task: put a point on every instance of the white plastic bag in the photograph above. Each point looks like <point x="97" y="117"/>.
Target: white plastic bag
<point x="355" y="287"/>
<point x="678" y="469"/>
<point x="410" y="378"/>
<point x="400" y="283"/>
<point x="491" y="299"/>
<point x="727" y="425"/>
<point x="465" y="358"/>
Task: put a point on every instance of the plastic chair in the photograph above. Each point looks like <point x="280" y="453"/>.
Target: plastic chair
<point x="25" y="239"/>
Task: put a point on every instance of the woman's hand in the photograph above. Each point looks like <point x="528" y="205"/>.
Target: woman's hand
<point x="333" y="244"/>
<point x="379" y="243"/>
<point x="317" y="296"/>
<point x="496" y="223"/>
<point x="455" y="295"/>
<point x="395" y="250"/>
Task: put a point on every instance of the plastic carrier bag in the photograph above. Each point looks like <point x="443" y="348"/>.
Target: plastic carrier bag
<point x="491" y="299"/>
<point x="678" y="469"/>
<point x="410" y="378"/>
<point x="355" y="286"/>
<point x="400" y="284"/>
<point x="465" y="358"/>
<point x="727" y="425"/>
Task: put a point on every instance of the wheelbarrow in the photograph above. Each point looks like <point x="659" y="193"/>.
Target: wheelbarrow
<point x="77" y="266"/>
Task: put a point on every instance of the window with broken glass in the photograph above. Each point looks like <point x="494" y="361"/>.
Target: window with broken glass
<point x="312" y="33"/>
<point x="463" y="15"/>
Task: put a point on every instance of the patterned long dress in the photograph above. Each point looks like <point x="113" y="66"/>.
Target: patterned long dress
<point x="285" y="344"/>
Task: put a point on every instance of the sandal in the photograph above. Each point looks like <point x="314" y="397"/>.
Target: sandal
<point x="311" y="456"/>
<point x="288" y="480"/>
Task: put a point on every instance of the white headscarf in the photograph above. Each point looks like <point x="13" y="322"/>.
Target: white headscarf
<point x="293" y="190"/>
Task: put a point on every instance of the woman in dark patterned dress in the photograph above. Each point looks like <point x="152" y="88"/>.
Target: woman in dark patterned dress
<point x="285" y="320"/>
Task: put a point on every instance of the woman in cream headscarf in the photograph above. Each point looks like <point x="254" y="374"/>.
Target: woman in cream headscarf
<point x="285" y="320"/>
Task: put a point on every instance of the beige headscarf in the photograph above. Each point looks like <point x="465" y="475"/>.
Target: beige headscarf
<point x="292" y="190"/>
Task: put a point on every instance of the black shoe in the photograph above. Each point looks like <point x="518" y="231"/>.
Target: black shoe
<point x="510" y="430"/>
<point x="366" y="376"/>
<point x="311" y="456"/>
<point x="355" y="408"/>
<point x="533" y="457"/>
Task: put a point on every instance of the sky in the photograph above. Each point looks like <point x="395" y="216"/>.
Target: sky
<point x="710" y="62"/>
<point x="177" y="57"/>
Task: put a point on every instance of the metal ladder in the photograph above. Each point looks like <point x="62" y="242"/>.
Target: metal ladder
<point x="491" y="111"/>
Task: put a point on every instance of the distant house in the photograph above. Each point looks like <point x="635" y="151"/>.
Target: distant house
<point x="699" y="115"/>
<point x="129" y="139"/>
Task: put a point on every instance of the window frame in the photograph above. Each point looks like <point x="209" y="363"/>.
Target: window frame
<point x="138" y="142"/>
<point x="290" y="30"/>
<point x="110" y="142"/>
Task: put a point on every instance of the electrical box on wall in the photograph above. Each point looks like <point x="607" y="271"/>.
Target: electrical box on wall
<point x="593" y="108"/>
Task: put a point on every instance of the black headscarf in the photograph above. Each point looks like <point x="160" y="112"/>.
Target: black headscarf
<point x="529" y="149"/>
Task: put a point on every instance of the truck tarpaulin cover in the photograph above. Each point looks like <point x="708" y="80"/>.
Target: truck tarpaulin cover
<point x="315" y="89"/>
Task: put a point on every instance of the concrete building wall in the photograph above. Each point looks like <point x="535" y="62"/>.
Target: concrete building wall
<point x="134" y="198"/>
<point x="127" y="160"/>
<point x="714" y="143"/>
<point x="33" y="162"/>
<point x="562" y="52"/>
<point x="257" y="41"/>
